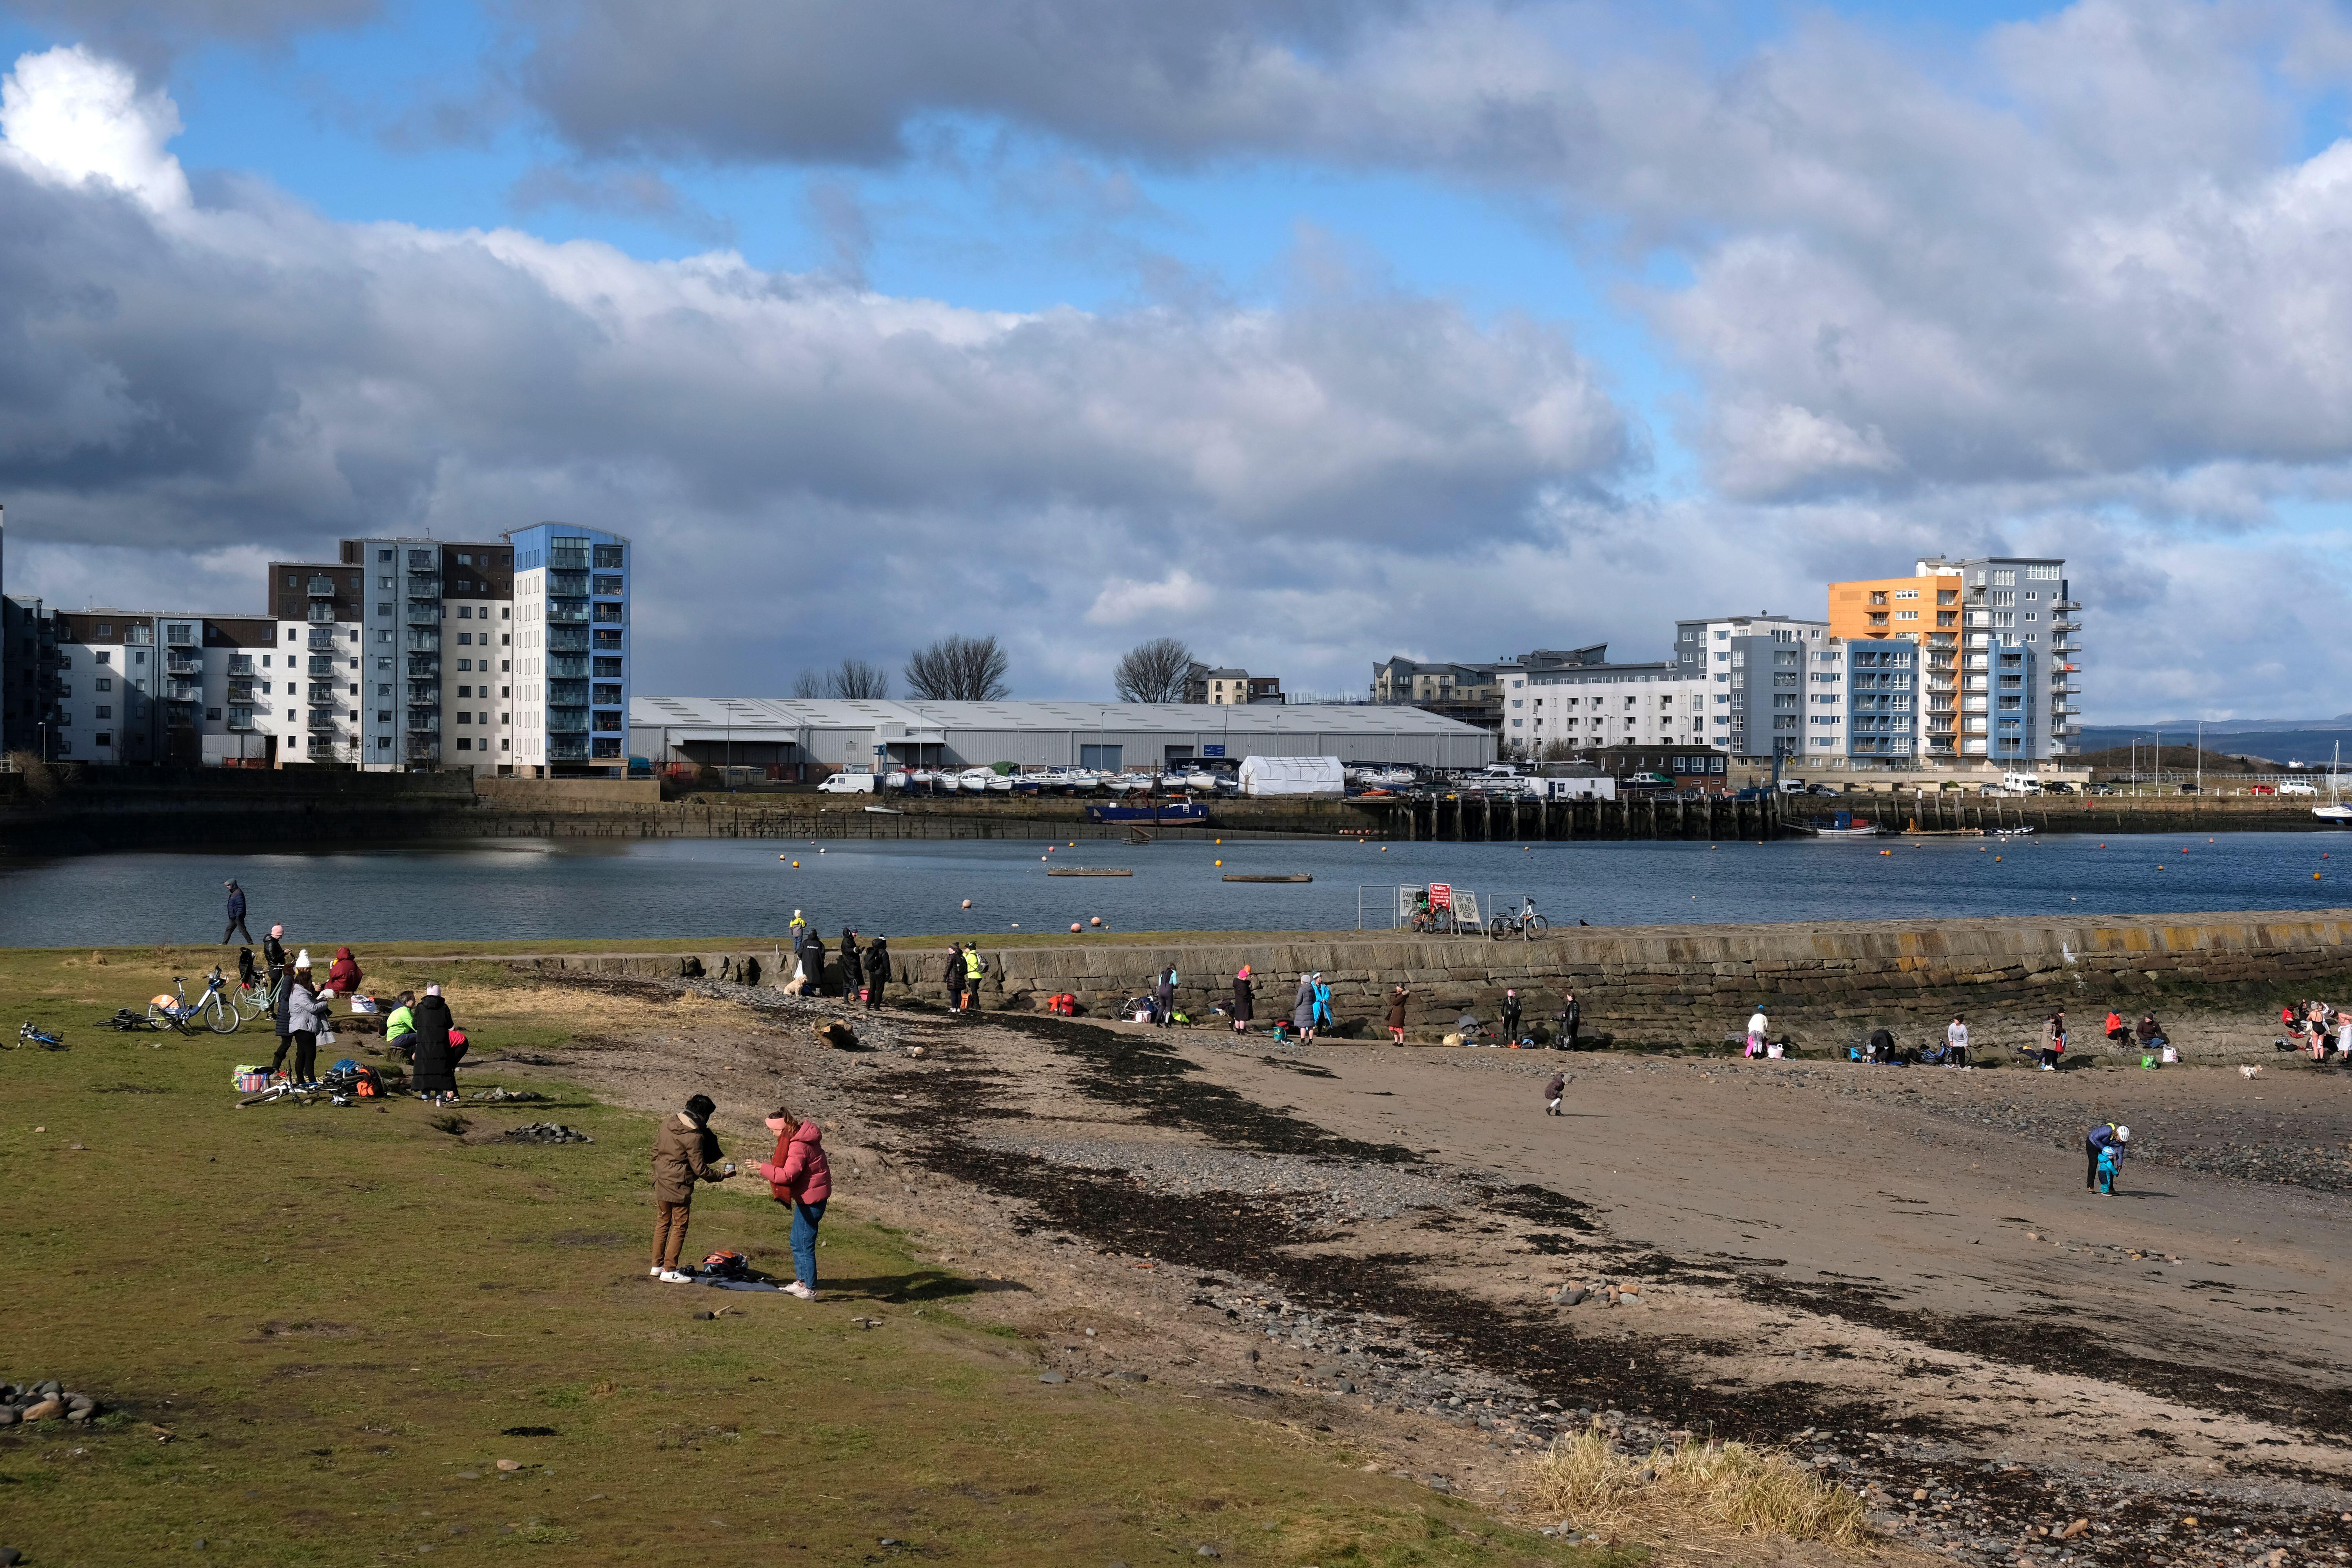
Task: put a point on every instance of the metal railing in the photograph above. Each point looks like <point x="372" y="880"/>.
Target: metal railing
<point x="322" y="587"/>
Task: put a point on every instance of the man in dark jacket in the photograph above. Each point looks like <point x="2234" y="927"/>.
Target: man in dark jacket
<point x="236" y="914"/>
<point x="1571" y="1017"/>
<point x="813" y="964"/>
<point x="1511" y="1018"/>
<point x="954" y="977"/>
<point x="273" y="953"/>
<point x="685" y="1153"/>
<point x="877" y="972"/>
<point x="435" y="1073"/>
<point x="852" y="964"/>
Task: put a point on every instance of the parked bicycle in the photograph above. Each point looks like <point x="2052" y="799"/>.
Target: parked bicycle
<point x="214" y="1009"/>
<point x="1523" y="922"/>
<point x="39" y="1038"/>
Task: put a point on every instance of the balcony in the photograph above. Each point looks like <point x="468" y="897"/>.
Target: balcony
<point x="426" y="691"/>
<point x="240" y="691"/>
<point x="567" y="639"/>
<point x="568" y="556"/>
<point x="320" y="639"/>
<point x="421" y="749"/>
<point x="608" y="639"/>
<point x="610" y="723"/>
<point x="240" y="721"/>
<point x="183" y="661"/>
<point x="322" y="587"/>
<point x="322" y="721"/>
<point x="423" y="642"/>
<point x="568" y="693"/>
<point x="421" y="717"/>
<point x="2067" y="606"/>
<point x="567" y="751"/>
<point x="573" y="664"/>
<point x="425" y="585"/>
<point x="567" y="612"/>
<point x="610" y="615"/>
<point x="424" y="667"/>
<point x="424" y="613"/>
<point x="322" y="614"/>
<point x="573" y="585"/>
<point x="2062" y="628"/>
<point x="567" y="721"/>
<point x="184" y="691"/>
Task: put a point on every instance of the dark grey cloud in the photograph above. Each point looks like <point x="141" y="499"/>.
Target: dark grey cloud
<point x="184" y="382"/>
<point x="148" y="31"/>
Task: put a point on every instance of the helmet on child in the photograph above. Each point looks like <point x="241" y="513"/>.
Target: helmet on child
<point x="2123" y="1134"/>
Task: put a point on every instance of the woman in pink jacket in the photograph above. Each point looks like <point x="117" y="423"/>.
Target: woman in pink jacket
<point x="798" y="1175"/>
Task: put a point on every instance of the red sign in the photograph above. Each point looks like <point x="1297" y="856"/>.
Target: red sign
<point x="1441" y="895"/>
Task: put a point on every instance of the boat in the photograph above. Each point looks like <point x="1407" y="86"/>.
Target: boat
<point x="1166" y="811"/>
<point x="886" y="811"/>
<point x="946" y="781"/>
<point x="976" y="781"/>
<point x="1200" y="778"/>
<point x="1127" y="783"/>
<point x="896" y="780"/>
<point x="1086" y="871"/>
<point x="2018" y="832"/>
<point x="1254" y="876"/>
<point x="2340" y="815"/>
<point x="1844" y="825"/>
<point x="1002" y="783"/>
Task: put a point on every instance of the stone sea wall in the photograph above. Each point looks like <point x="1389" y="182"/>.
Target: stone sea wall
<point x="2216" y="981"/>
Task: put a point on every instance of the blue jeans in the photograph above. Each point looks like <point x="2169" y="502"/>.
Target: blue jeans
<point x="805" y="1219"/>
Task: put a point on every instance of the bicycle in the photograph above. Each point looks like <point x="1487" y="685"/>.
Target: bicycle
<point x="32" y="1035"/>
<point x="251" y="999"/>
<point x="176" y="1012"/>
<point x="1522" y="922"/>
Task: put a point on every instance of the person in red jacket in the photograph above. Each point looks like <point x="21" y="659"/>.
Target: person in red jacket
<point x="343" y="975"/>
<point x="798" y="1176"/>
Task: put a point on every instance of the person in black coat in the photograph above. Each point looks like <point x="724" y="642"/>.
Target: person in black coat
<point x="813" y="964"/>
<point x="877" y="972"/>
<point x="1245" y="1001"/>
<point x="1571" y="1018"/>
<point x="435" y="1074"/>
<point x="953" y="979"/>
<point x="852" y="964"/>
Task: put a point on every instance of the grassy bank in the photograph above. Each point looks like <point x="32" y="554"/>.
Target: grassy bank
<point x="318" y="1331"/>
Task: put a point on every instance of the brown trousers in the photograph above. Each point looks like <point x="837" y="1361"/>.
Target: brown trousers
<point x="669" y="1231"/>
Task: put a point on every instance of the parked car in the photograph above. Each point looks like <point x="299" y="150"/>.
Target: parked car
<point x="2190" y="789"/>
<point x="2298" y="786"/>
<point x="2262" y="789"/>
<point x="2098" y="789"/>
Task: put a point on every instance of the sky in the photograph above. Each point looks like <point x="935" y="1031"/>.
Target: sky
<point x="1310" y="333"/>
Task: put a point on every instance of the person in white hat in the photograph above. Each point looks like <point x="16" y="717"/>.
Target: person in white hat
<point x="2104" y="1133"/>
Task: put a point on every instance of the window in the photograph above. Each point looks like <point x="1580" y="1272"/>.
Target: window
<point x="2004" y="579"/>
<point x="608" y="557"/>
<point x="383" y="557"/>
<point x="104" y="711"/>
<point x="106" y="628"/>
<point x="104" y="738"/>
<point x="105" y="659"/>
<point x="103" y="683"/>
<point x="465" y="664"/>
<point x="179" y="634"/>
<point x="464" y="744"/>
<point x="465" y="691"/>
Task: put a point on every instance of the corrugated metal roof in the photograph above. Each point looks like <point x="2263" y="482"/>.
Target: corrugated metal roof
<point x="750" y="713"/>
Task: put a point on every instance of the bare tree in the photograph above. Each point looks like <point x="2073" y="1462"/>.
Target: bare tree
<point x="1152" y="672"/>
<point x="808" y="684"/>
<point x="854" y="678"/>
<point x="958" y="669"/>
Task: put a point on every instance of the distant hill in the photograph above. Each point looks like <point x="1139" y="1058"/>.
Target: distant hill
<point x="2306" y="742"/>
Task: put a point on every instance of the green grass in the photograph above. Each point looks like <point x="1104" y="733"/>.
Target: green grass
<point x="338" y="1312"/>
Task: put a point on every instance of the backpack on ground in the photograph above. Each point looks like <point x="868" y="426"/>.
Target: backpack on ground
<point x="726" y="1265"/>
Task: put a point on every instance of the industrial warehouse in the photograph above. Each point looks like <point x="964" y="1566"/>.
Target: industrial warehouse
<point x="807" y="739"/>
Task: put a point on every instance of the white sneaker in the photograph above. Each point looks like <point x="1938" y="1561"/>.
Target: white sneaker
<point x="803" y="1292"/>
<point x="674" y="1276"/>
<point x="655" y="1271"/>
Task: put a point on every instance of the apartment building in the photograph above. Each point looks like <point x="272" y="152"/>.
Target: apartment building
<point x="1230" y="687"/>
<point x="571" y="648"/>
<point x="1997" y="652"/>
<point x="1549" y="709"/>
<point x="1754" y="669"/>
<point x="401" y="653"/>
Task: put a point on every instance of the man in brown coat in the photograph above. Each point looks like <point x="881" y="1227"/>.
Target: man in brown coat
<point x="685" y="1152"/>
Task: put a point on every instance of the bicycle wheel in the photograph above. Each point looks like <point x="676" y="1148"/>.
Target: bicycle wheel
<point x="224" y="1018"/>
<point x="1538" y="926"/>
<point x="1496" y="927"/>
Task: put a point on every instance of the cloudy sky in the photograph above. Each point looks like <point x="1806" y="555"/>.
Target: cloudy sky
<point x="1308" y="330"/>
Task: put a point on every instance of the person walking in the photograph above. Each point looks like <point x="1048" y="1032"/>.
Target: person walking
<point x="236" y="914"/>
<point x="1758" y="1025"/>
<point x="685" y="1152"/>
<point x="2053" y="1040"/>
<point x="1302" y="1009"/>
<point x="1571" y="1017"/>
<point x="434" y="1075"/>
<point x="1554" y="1091"/>
<point x="2100" y="1136"/>
<point x="1245" y="1000"/>
<point x="953" y="978"/>
<point x="877" y="972"/>
<point x="1399" y="999"/>
<point x="1511" y="1016"/>
<point x="1163" y="997"/>
<point x="852" y="964"/>
<point x="304" y="1017"/>
<point x="1956" y="1042"/>
<point x="799" y="1177"/>
<point x="974" y="967"/>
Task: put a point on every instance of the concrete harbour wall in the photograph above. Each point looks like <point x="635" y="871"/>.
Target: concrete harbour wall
<point x="2215" y="981"/>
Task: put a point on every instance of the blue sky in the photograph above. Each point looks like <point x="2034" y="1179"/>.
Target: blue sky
<point x="1311" y="333"/>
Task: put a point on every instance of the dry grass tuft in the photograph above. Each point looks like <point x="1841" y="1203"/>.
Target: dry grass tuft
<point x="1754" y="1490"/>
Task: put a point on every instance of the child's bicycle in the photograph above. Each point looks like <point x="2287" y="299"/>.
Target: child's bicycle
<point x="39" y="1038"/>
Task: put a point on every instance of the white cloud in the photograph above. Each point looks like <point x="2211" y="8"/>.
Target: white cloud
<point x="1167" y="602"/>
<point x="70" y="116"/>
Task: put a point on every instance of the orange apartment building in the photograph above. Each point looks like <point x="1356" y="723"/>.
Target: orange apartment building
<point x="1997" y="650"/>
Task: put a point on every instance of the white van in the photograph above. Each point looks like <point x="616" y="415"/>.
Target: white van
<point x="847" y="783"/>
<point x="2021" y="783"/>
<point x="2298" y="786"/>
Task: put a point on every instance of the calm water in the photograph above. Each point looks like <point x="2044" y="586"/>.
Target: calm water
<point x="528" y="888"/>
